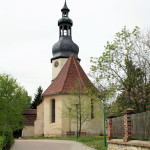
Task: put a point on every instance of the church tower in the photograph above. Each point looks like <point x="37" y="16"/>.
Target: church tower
<point x="65" y="46"/>
<point x="67" y="72"/>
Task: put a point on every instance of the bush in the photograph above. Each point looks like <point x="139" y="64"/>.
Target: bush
<point x="8" y="140"/>
<point x="2" y="142"/>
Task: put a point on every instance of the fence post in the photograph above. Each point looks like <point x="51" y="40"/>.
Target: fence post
<point x="109" y="125"/>
<point x="127" y="124"/>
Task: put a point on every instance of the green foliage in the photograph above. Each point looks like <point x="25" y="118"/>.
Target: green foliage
<point x="13" y="99"/>
<point x="2" y="142"/>
<point x="124" y="70"/>
<point x="38" y="98"/>
<point x="8" y="139"/>
<point x="81" y="101"/>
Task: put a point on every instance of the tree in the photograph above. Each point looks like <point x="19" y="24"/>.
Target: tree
<point x="38" y="98"/>
<point x="125" y="65"/>
<point x="13" y="100"/>
<point x="136" y="96"/>
<point x="81" y="102"/>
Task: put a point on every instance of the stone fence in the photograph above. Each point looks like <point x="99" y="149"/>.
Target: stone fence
<point x="119" y="144"/>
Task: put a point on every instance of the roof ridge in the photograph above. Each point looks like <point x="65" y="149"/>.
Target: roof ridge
<point x="79" y="73"/>
<point x="66" y="75"/>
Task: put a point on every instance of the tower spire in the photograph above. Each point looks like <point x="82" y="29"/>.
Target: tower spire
<point x="65" y="46"/>
<point x="65" y="8"/>
<point x="65" y="23"/>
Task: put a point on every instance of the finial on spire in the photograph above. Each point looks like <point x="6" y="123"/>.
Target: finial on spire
<point x="65" y="7"/>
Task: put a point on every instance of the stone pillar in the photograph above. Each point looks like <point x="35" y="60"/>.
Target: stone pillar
<point x="109" y="125"/>
<point x="127" y="124"/>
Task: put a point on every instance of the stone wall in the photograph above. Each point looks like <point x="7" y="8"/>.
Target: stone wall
<point x="118" y="144"/>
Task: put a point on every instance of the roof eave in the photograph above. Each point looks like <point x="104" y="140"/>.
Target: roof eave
<point x="56" y="93"/>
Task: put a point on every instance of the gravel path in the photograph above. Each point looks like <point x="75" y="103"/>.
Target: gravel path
<point x="48" y="145"/>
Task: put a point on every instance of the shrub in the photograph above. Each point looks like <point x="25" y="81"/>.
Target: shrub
<point x="2" y="142"/>
<point x="8" y="140"/>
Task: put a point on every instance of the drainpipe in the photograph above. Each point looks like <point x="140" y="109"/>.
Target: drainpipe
<point x="43" y="116"/>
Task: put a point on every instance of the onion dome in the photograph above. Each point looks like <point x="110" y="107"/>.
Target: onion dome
<point x="65" y="20"/>
<point x="64" y="48"/>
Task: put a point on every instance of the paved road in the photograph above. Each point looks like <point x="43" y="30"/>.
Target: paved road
<point x="48" y="145"/>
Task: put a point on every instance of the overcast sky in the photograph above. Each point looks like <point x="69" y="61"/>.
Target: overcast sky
<point x="28" y="30"/>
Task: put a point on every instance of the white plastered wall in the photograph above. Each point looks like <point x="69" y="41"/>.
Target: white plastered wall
<point x="56" y="70"/>
<point x="61" y="125"/>
<point x="28" y="131"/>
<point x="38" y="123"/>
<point x="94" y="126"/>
<point x="52" y="129"/>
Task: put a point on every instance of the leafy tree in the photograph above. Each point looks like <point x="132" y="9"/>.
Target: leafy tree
<point x="80" y="100"/>
<point x="136" y="96"/>
<point x="38" y="98"/>
<point x="125" y="68"/>
<point x="13" y="100"/>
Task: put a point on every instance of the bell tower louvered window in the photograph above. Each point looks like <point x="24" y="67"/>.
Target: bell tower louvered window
<point x="53" y="111"/>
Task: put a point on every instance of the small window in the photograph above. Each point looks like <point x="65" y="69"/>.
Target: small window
<point x="53" y="111"/>
<point x="92" y="109"/>
<point x="69" y="32"/>
<point x="61" y="32"/>
<point x="65" y="14"/>
<point x="65" y="32"/>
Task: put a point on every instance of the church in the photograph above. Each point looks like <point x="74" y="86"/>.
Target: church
<point x="48" y="120"/>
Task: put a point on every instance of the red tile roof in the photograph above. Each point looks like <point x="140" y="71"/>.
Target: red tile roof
<point x="68" y="77"/>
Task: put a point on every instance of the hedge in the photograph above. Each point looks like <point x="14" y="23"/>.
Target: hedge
<point x="8" y="140"/>
<point x="2" y="142"/>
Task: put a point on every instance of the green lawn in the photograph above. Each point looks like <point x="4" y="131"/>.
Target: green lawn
<point x="94" y="142"/>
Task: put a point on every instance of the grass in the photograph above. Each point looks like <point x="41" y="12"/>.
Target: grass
<point x="94" y="142"/>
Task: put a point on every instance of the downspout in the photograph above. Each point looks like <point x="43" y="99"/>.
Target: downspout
<point x="43" y="116"/>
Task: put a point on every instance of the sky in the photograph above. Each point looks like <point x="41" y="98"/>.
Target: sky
<point x="28" y="30"/>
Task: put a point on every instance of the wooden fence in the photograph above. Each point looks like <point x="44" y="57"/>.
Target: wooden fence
<point x="140" y="126"/>
<point x="130" y="126"/>
<point x="118" y="127"/>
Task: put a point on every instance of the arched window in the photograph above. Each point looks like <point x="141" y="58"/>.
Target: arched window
<point x="61" y="31"/>
<point x="69" y="32"/>
<point x="65" y="14"/>
<point x="65" y="30"/>
<point x="53" y="111"/>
